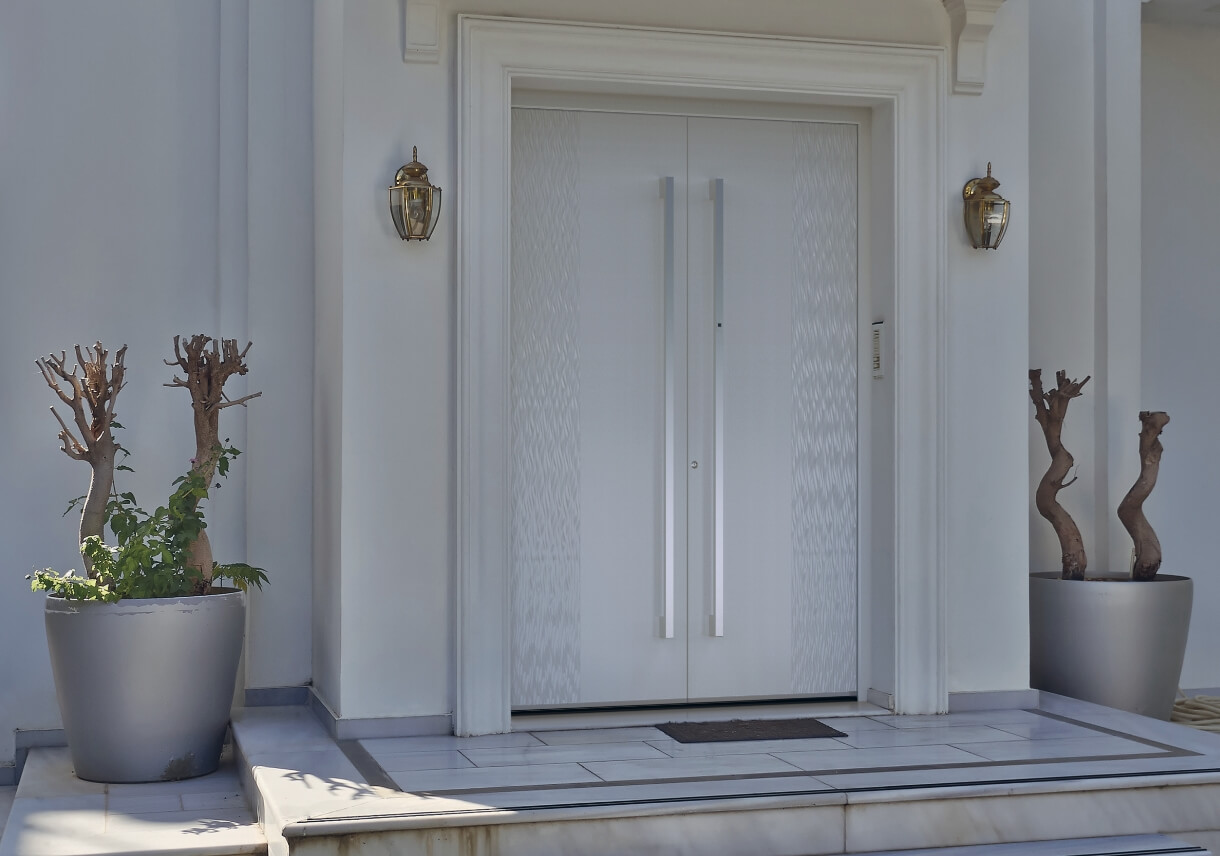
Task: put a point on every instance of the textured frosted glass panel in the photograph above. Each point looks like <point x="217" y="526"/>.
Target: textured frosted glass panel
<point x="545" y="454"/>
<point x="824" y="410"/>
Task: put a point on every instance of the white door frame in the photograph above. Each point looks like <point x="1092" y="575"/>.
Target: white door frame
<point x="905" y="85"/>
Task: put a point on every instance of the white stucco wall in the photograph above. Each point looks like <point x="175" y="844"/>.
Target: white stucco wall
<point x="1085" y="261"/>
<point x="1063" y="258"/>
<point x="987" y="317"/>
<point x="1181" y="302"/>
<point x="141" y="200"/>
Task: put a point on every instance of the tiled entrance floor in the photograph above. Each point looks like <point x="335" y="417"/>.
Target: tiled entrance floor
<point x="1067" y="770"/>
<point x="595" y="765"/>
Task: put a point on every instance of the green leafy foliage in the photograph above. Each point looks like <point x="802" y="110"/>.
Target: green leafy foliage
<point x="152" y="550"/>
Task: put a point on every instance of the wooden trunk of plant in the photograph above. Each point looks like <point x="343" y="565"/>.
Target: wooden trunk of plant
<point x="1050" y="410"/>
<point x="207" y="364"/>
<point x="1131" y="509"/>
<point x="92" y="387"/>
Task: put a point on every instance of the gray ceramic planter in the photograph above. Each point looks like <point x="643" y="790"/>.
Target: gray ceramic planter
<point x="1114" y="642"/>
<point x="145" y="686"/>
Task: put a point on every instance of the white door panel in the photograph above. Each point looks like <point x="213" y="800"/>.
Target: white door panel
<point x="615" y="395"/>
<point x="785" y="424"/>
<point x="589" y="417"/>
<point x="751" y="375"/>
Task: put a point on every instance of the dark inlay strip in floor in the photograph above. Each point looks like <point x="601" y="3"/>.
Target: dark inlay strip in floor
<point x="366" y="764"/>
<point x="1101" y="729"/>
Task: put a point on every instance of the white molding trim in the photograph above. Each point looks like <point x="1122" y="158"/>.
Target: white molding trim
<point x="421" y="31"/>
<point x="972" y="21"/>
<point x="908" y="83"/>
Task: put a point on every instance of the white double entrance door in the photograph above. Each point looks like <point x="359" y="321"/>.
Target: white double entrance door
<point x="683" y="409"/>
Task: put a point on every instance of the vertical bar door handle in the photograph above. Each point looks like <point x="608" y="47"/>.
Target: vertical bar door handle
<point x="717" y="617"/>
<point x="671" y="462"/>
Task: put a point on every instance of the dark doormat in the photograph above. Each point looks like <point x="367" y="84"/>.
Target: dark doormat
<point x="748" y="729"/>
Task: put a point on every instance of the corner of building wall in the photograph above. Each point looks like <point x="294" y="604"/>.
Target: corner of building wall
<point x="328" y="83"/>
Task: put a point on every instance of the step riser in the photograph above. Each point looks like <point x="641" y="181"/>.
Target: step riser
<point x="866" y="827"/>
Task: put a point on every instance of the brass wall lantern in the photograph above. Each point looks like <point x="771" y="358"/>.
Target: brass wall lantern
<point x="415" y="204"/>
<point x="986" y="212"/>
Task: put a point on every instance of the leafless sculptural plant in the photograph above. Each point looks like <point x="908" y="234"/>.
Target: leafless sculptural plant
<point x="1050" y="410"/>
<point x="90" y="390"/>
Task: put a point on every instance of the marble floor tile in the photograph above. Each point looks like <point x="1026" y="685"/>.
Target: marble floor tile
<point x="599" y="735"/>
<point x="213" y="801"/>
<point x="576" y="753"/>
<point x="265" y="728"/>
<point x="48" y="773"/>
<point x="952" y="734"/>
<point x="675" y="749"/>
<point x="229" y="831"/>
<point x="684" y="768"/>
<point x="6" y="804"/>
<point x="852" y="724"/>
<point x="143" y="804"/>
<point x="897" y="756"/>
<point x="491" y="778"/>
<point x="439" y="742"/>
<point x="1046" y="729"/>
<point x="1064" y="748"/>
<point x="54" y="826"/>
<point x="972" y="717"/>
<point x="449" y="759"/>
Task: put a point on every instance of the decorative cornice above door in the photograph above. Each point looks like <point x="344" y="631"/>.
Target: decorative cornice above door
<point x="421" y="31"/>
<point x="972" y="21"/>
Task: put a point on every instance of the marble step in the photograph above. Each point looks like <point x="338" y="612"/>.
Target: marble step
<point x="557" y="793"/>
<point x="1123" y="845"/>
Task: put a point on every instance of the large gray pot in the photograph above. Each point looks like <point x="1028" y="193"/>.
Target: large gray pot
<point x="145" y="686"/>
<point x="1114" y="642"/>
